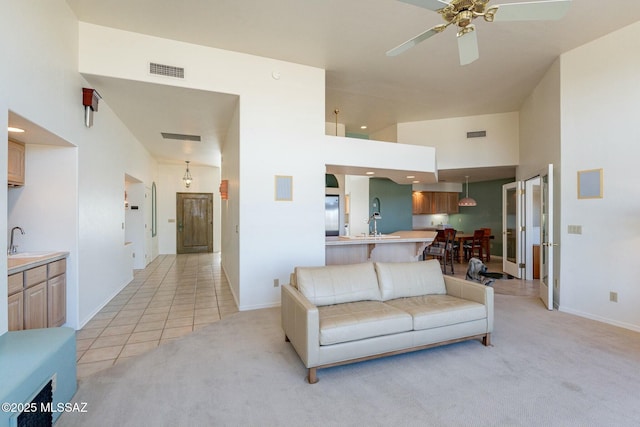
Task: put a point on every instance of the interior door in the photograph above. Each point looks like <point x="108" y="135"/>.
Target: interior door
<point x="512" y="228"/>
<point x="195" y="223"/>
<point x="546" y="238"/>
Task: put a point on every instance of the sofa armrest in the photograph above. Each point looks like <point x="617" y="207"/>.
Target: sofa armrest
<point x="472" y="291"/>
<point x="301" y="324"/>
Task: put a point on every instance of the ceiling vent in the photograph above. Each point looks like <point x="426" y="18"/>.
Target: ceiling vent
<point x="477" y="134"/>
<point x="181" y="137"/>
<point x="166" y="70"/>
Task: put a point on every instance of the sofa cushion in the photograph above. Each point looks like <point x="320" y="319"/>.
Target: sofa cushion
<point x="335" y="284"/>
<point x="434" y="311"/>
<point x="410" y="279"/>
<point x="359" y="320"/>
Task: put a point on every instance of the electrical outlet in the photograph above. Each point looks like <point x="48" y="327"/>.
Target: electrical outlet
<point x="276" y="283"/>
<point x="613" y="296"/>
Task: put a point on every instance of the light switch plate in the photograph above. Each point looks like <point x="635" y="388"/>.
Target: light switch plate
<point x="574" y="229"/>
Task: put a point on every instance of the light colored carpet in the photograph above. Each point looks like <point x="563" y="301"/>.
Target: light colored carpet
<point x="544" y="369"/>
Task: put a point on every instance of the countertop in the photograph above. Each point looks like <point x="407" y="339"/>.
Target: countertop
<point x="19" y="262"/>
<point x="412" y="236"/>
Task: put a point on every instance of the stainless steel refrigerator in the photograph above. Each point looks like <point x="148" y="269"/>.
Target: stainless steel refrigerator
<point x="332" y="215"/>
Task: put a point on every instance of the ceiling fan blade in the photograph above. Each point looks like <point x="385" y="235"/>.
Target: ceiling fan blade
<point x="468" y="45"/>
<point x="532" y="11"/>
<point x="417" y="39"/>
<point x="428" y="4"/>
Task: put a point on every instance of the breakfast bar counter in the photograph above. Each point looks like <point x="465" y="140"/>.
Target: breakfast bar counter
<point x="400" y="246"/>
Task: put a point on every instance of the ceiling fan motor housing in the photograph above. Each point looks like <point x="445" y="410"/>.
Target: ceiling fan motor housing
<point x="462" y="12"/>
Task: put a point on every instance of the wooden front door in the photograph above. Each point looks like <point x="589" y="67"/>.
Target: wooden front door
<point x="194" y="231"/>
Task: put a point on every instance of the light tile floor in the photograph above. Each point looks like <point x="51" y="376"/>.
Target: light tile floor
<point x="516" y="287"/>
<point x="173" y="296"/>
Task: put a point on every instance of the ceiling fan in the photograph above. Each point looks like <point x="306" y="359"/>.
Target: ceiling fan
<point x="463" y="12"/>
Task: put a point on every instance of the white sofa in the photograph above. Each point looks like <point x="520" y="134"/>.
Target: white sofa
<point x="340" y="314"/>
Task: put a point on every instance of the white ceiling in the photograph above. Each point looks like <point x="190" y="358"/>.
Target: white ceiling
<point x="348" y="39"/>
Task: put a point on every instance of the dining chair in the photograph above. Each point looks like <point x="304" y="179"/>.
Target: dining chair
<point x="451" y="246"/>
<point x="475" y="247"/>
<point x="486" y="245"/>
<point x="442" y="250"/>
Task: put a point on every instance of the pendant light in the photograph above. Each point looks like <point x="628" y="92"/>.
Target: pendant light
<point x="467" y="201"/>
<point x="187" y="176"/>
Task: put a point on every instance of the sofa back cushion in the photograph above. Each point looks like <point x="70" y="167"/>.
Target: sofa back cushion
<point x="410" y="279"/>
<point x="335" y="284"/>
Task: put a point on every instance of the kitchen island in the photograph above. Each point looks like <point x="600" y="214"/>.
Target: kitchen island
<point x="400" y="246"/>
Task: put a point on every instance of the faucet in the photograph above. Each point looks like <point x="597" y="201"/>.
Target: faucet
<point x="14" y="248"/>
<point x="375" y="217"/>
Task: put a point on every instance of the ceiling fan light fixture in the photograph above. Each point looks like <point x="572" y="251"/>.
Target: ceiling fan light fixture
<point x="461" y="13"/>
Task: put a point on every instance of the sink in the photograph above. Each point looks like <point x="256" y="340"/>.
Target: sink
<point x="31" y="254"/>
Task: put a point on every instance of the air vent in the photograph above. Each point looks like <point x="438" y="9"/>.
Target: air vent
<point x="166" y="70"/>
<point x="181" y="137"/>
<point x="477" y="134"/>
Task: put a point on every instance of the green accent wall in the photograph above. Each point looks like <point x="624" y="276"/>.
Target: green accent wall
<point x="487" y="214"/>
<point x="396" y="205"/>
<point x="356" y="135"/>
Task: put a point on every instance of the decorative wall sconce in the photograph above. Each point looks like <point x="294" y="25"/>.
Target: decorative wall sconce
<point x="224" y="189"/>
<point x="90" y="98"/>
<point x="187" y="176"/>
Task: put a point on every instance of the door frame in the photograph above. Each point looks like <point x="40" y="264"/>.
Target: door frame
<point x="513" y="268"/>
<point x="547" y="243"/>
<point x="532" y="214"/>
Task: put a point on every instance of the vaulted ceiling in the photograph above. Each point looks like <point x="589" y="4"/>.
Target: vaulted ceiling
<point x="349" y="40"/>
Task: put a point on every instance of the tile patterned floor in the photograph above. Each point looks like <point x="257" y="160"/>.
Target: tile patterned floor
<point x="173" y="296"/>
<point x="516" y="287"/>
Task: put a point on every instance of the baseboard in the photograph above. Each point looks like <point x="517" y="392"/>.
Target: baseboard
<point x="608" y="321"/>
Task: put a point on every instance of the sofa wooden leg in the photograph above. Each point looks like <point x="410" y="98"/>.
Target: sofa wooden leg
<point x="486" y="340"/>
<point x="312" y="377"/>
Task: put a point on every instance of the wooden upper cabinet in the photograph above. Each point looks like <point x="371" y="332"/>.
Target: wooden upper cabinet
<point x="434" y="202"/>
<point x="422" y="202"/>
<point x="440" y="203"/>
<point x="452" y="201"/>
<point x="15" y="157"/>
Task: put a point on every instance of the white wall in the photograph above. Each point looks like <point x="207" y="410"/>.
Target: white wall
<point x="331" y="129"/>
<point x="281" y="131"/>
<point x="600" y="91"/>
<point x="230" y="208"/>
<point x="43" y="85"/>
<point x="388" y="134"/>
<point x="540" y="142"/>
<point x="455" y="151"/>
<point x="135" y="218"/>
<point x="206" y="179"/>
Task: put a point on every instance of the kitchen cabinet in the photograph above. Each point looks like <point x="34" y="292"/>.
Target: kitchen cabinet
<point x="16" y="312"/>
<point x="422" y="202"/>
<point x="35" y="306"/>
<point x="434" y="202"/>
<point x="16" y="163"/>
<point x="56" y="301"/>
<point x="37" y="297"/>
